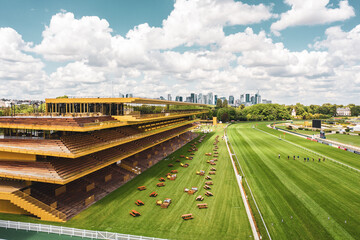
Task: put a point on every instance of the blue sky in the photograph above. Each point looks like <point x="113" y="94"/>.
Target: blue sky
<point x="291" y="50"/>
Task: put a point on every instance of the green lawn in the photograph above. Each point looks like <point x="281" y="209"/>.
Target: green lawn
<point x="310" y="133"/>
<point x="224" y="219"/>
<point x="299" y="200"/>
<point x="343" y="138"/>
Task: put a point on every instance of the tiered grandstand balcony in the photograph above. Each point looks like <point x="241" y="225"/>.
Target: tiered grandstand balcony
<point x="80" y="144"/>
<point x="64" y="170"/>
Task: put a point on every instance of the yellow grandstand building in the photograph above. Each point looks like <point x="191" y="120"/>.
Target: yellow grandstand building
<point x="56" y="164"/>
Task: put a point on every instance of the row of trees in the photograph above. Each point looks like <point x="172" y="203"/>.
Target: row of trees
<point x="22" y="109"/>
<point x="326" y="110"/>
<point x="270" y="112"/>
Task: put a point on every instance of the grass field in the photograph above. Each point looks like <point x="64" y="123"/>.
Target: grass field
<point x="299" y="200"/>
<point x="224" y="219"/>
<point x="343" y="138"/>
<point x="310" y="133"/>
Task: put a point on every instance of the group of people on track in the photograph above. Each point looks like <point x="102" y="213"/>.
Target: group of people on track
<point x="305" y="159"/>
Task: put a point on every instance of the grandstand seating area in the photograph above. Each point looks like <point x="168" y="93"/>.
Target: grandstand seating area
<point x="73" y="200"/>
<point x="73" y="144"/>
<point x="62" y="170"/>
<point x="78" y="142"/>
<point x="73" y="155"/>
<point x="55" y="121"/>
<point x="38" y="145"/>
<point x="28" y="169"/>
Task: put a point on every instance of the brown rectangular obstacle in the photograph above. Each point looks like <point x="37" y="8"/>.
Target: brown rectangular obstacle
<point x="161" y="184"/>
<point x="208" y="178"/>
<point x="139" y="203"/>
<point x="202" y="205"/>
<point x="141" y="188"/>
<point x="209" y="183"/>
<point x="162" y="179"/>
<point x="187" y="216"/>
<point x="212" y="173"/>
<point x="209" y="194"/>
<point x="199" y="198"/>
<point x="153" y="194"/>
<point x="174" y="171"/>
<point x="207" y="187"/>
<point x="135" y="213"/>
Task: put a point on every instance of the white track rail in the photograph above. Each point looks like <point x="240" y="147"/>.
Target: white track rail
<point x="246" y="203"/>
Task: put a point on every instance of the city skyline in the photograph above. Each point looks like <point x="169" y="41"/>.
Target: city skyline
<point x="292" y="51"/>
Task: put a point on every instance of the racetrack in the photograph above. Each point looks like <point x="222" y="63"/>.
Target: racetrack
<point x="299" y="200"/>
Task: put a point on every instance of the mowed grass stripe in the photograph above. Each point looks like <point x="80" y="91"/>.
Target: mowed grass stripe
<point x="294" y="180"/>
<point x="337" y="195"/>
<point x="275" y="201"/>
<point x="346" y="157"/>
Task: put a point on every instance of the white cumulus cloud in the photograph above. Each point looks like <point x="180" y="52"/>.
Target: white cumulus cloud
<point x="312" y="12"/>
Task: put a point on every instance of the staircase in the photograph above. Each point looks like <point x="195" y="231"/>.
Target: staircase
<point x="135" y="170"/>
<point x="36" y="207"/>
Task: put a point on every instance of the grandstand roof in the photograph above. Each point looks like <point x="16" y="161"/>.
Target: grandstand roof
<point x="120" y="100"/>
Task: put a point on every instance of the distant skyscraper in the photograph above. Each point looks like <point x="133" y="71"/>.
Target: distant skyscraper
<point x="257" y="98"/>
<point x="215" y="99"/>
<point x="231" y="100"/>
<point x="177" y="98"/>
<point x="242" y="98"/>
<point x="169" y="97"/>
<point x="180" y="99"/>
<point x="129" y="95"/>
<point x="210" y="98"/>
<point x="121" y="95"/>
<point x="162" y="98"/>
<point x="205" y="100"/>
<point x="252" y="99"/>
<point x="247" y="97"/>
<point x="188" y="99"/>
<point x="193" y="97"/>
<point x="200" y="98"/>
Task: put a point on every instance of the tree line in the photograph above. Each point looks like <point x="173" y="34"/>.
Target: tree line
<point x="270" y="112"/>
